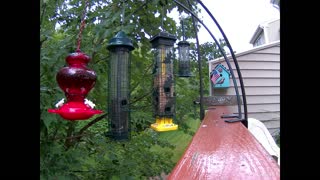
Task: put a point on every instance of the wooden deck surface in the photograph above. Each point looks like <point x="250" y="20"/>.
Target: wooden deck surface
<point x="224" y="151"/>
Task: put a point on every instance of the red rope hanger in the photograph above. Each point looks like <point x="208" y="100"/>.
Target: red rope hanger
<point x="83" y="23"/>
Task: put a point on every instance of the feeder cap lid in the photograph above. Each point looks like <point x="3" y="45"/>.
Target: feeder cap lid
<point x="184" y="43"/>
<point x="120" y="39"/>
<point x="163" y="38"/>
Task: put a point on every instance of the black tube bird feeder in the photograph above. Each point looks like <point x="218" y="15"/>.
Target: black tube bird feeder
<point x="118" y="84"/>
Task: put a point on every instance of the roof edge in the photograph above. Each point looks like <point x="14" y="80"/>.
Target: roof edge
<point x="257" y="48"/>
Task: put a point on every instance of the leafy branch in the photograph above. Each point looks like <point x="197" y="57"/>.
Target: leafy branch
<point x="91" y="123"/>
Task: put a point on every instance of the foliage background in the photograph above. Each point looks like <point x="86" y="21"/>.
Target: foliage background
<point x="80" y="150"/>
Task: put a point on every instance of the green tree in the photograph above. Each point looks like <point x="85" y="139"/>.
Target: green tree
<point x="79" y="150"/>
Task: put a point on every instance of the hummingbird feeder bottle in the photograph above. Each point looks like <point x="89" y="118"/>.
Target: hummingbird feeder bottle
<point x="76" y="80"/>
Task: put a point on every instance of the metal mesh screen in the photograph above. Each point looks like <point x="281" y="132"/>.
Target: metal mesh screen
<point x="184" y="61"/>
<point x="118" y="102"/>
<point x="164" y="82"/>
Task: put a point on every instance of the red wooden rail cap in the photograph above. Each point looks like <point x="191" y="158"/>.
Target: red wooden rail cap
<point x="226" y="151"/>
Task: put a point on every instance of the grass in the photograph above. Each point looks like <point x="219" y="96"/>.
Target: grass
<point x="179" y="139"/>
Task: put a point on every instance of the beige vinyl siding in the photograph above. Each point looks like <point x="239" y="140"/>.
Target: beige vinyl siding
<point x="249" y="91"/>
<point x="262" y="57"/>
<point x="256" y="108"/>
<point x="248" y="82"/>
<point x="267" y="65"/>
<point x="260" y="70"/>
<point x="263" y="98"/>
<point x="271" y="50"/>
<point x="259" y="73"/>
<point x="253" y="69"/>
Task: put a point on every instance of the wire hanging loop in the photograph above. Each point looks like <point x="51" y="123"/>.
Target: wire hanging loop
<point x="162" y="4"/>
<point x="183" y="30"/>
<point x="82" y="25"/>
<point x="122" y="14"/>
<point x="162" y="16"/>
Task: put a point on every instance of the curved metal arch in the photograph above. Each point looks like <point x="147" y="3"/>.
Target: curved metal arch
<point x="236" y="64"/>
<point x="199" y="66"/>
<point x="245" y="120"/>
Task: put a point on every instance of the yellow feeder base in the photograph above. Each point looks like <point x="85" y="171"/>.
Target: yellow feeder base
<point x="164" y="124"/>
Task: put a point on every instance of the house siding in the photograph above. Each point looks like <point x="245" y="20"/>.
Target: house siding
<point x="260" y="70"/>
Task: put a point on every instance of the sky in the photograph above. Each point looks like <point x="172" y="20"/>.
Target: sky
<point x="238" y="19"/>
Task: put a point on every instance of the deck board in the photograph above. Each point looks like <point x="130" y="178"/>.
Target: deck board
<point x="221" y="150"/>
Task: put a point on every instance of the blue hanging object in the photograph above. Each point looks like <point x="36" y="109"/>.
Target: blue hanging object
<point x="220" y="77"/>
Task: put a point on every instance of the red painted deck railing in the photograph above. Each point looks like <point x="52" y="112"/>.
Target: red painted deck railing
<point x="226" y="151"/>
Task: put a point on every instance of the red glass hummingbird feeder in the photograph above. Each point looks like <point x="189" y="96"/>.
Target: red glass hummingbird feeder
<point x="76" y="80"/>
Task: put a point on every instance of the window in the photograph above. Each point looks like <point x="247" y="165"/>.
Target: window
<point x="259" y="41"/>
